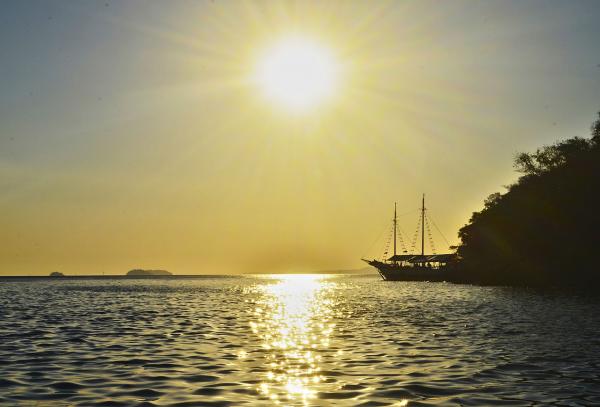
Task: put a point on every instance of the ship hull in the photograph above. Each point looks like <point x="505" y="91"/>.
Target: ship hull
<point x="396" y="272"/>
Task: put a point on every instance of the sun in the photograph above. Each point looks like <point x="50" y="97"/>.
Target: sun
<point x="297" y="73"/>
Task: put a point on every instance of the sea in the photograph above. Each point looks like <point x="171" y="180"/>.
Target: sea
<point x="294" y="340"/>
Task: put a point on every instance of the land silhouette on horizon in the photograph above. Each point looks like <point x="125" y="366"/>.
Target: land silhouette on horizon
<point x="148" y="272"/>
<point x="544" y="229"/>
<point x="362" y="270"/>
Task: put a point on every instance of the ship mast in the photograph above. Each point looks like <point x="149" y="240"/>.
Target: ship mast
<point x="395" y="223"/>
<point x="423" y="226"/>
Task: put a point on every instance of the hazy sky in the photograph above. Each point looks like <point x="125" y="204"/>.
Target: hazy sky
<point x="131" y="134"/>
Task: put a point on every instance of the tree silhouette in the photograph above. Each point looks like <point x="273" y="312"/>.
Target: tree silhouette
<point x="543" y="230"/>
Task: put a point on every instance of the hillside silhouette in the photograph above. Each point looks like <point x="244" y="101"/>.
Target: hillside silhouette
<point x="544" y="229"/>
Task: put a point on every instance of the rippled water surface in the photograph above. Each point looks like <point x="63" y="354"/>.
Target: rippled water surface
<point x="294" y="340"/>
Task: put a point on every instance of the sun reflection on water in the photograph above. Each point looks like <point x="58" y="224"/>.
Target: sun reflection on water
<point x="292" y="318"/>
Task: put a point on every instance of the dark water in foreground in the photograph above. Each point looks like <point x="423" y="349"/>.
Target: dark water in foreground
<point x="294" y="340"/>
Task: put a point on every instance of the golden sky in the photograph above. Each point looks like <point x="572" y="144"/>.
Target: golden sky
<point x="134" y="134"/>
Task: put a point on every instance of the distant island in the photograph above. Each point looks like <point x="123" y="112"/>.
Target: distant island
<point x="57" y="274"/>
<point x="364" y="270"/>
<point x="142" y="272"/>
<point x="544" y="229"/>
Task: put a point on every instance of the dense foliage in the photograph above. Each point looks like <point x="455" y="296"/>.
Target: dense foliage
<point x="545" y="229"/>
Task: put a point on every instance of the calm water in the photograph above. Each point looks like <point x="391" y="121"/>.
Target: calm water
<point x="295" y="340"/>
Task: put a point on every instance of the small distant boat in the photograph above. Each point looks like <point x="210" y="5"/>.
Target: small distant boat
<point x="413" y="267"/>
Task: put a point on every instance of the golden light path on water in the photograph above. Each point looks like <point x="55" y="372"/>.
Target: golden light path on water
<point x="292" y="318"/>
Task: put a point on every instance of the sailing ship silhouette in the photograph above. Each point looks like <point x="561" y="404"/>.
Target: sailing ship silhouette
<point x="413" y="267"/>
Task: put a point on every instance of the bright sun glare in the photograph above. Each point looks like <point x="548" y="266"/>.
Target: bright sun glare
<point x="297" y="73"/>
